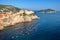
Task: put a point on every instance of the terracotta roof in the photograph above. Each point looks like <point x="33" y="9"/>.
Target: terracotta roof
<point x="5" y="14"/>
<point x="14" y="12"/>
<point x="1" y="15"/>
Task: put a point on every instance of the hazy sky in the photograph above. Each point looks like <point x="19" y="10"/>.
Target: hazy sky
<point x="33" y="4"/>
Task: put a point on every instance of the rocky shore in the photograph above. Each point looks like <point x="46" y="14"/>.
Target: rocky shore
<point x="11" y="18"/>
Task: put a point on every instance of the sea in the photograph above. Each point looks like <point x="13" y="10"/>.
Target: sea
<point x="47" y="27"/>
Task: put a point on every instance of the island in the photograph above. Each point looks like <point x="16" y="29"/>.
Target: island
<point x="47" y="11"/>
<point x="10" y="15"/>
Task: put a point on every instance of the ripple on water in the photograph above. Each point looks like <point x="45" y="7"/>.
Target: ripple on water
<point x="19" y="31"/>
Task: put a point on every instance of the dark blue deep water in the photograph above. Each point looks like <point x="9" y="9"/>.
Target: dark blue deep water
<point x="45" y="28"/>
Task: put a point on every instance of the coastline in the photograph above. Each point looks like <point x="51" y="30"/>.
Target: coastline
<point x="16" y="17"/>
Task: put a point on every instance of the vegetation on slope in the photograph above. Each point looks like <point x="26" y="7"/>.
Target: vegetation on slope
<point x="7" y="8"/>
<point x="46" y="10"/>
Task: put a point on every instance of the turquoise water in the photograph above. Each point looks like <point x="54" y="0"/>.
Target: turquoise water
<point x="45" y="28"/>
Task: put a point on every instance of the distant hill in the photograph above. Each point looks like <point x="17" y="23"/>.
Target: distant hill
<point x="7" y="8"/>
<point x="47" y="11"/>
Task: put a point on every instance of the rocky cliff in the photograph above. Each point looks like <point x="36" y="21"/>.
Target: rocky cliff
<point x="10" y="15"/>
<point x="12" y="19"/>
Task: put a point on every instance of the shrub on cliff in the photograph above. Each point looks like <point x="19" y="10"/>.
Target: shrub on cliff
<point x="32" y="14"/>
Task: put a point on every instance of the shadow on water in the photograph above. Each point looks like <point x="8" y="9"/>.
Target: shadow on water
<point x="45" y="28"/>
<point x="20" y="31"/>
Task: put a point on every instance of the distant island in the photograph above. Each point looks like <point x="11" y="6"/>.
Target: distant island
<point x="47" y="11"/>
<point x="10" y="15"/>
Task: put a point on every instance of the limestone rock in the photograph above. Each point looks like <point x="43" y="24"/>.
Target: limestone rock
<point x="27" y="19"/>
<point x="34" y="17"/>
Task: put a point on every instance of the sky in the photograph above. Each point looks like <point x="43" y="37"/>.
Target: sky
<point x="33" y="4"/>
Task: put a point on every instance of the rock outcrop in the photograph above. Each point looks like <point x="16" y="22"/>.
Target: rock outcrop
<point x="14" y="18"/>
<point x="27" y="19"/>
